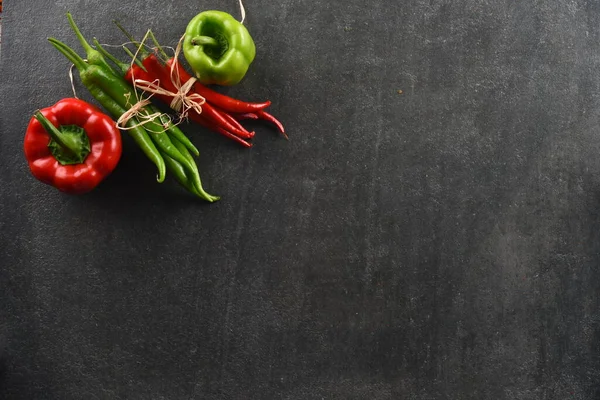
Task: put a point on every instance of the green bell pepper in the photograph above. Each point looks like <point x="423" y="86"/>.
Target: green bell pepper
<point x="218" y="48"/>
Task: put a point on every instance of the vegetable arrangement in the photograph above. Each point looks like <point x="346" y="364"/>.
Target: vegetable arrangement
<point x="219" y="112"/>
<point x="74" y="146"/>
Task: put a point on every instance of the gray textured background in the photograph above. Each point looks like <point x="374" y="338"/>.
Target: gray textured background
<point x="442" y="243"/>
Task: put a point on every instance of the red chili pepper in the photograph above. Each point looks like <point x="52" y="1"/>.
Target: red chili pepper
<point x="225" y="103"/>
<point x="243" y="116"/>
<point x="217" y="99"/>
<point x="202" y="121"/>
<point x="155" y="70"/>
<point x="231" y="119"/>
<point x="72" y="146"/>
<point x="218" y="111"/>
<point x="219" y="119"/>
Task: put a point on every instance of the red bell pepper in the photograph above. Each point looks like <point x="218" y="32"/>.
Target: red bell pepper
<point x="72" y="146"/>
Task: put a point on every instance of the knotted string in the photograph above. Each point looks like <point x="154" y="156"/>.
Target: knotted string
<point x="182" y="101"/>
<point x="137" y="109"/>
<point x="72" y="82"/>
<point x="135" y="112"/>
<point x="242" y="11"/>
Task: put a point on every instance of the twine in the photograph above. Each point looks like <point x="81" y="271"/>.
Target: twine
<point x="137" y="110"/>
<point x="242" y="11"/>
<point x="72" y="82"/>
<point x="182" y="102"/>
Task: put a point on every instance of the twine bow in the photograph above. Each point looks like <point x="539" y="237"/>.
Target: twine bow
<point x="183" y="101"/>
<point x="136" y="112"/>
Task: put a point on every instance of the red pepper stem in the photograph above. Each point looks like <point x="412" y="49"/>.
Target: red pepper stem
<point x="68" y="52"/>
<point x="204" y="41"/>
<point x="86" y="46"/>
<point x="135" y="60"/>
<point x="158" y="46"/>
<point x="142" y="51"/>
<point x="121" y="65"/>
<point x="56" y="135"/>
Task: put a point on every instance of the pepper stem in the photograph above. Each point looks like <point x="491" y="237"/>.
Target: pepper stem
<point x="135" y="60"/>
<point x="94" y="57"/>
<point x="86" y="46"/>
<point x="121" y="65"/>
<point x="68" y="52"/>
<point x="204" y="41"/>
<point x="158" y="46"/>
<point x="142" y="51"/>
<point x="63" y="141"/>
<point x="69" y="144"/>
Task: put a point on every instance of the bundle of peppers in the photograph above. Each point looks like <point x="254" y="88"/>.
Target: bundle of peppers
<point x="220" y="113"/>
<point x="217" y="47"/>
<point x="161" y="140"/>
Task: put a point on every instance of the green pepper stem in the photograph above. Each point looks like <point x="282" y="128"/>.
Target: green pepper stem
<point x="94" y="57"/>
<point x="158" y="46"/>
<point x="123" y="67"/>
<point x="142" y="51"/>
<point x="86" y="46"/>
<point x="68" y="52"/>
<point x="56" y="135"/>
<point x="135" y="60"/>
<point x="204" y="41"/>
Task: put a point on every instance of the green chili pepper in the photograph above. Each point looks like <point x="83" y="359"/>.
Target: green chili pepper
<point x="124" y="95"/>
<point x="114" y="93"/>
<point x="218" y="48"/>
<point x="193" y="182"/>
<point x="180" y="175"/>
<point x="94" y="57"/>
<point x="138" y="134"/>
<point x="174" y="130"/>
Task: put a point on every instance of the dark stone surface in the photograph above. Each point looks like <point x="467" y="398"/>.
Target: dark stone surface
<point x="441" y="243"/>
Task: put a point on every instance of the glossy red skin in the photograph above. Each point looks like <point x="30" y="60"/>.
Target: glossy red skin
<point x="221" y="113"/>
<point x="155" y="70"/>
<point x="217" y="99"/>
<point x="105" y="147"/>
<point x="228" y="105"/>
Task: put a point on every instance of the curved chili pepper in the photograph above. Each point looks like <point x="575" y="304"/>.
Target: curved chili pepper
<point x="195" y="179"/>
<point x="231" y="119"/>
<point x="155" y="70"/>
<point x="72" y="146"/>
<point x="207" y="124"/>
<point x="262" y="114"/>
<point x="222" y="101"/>
<point x="219" y="119"/>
